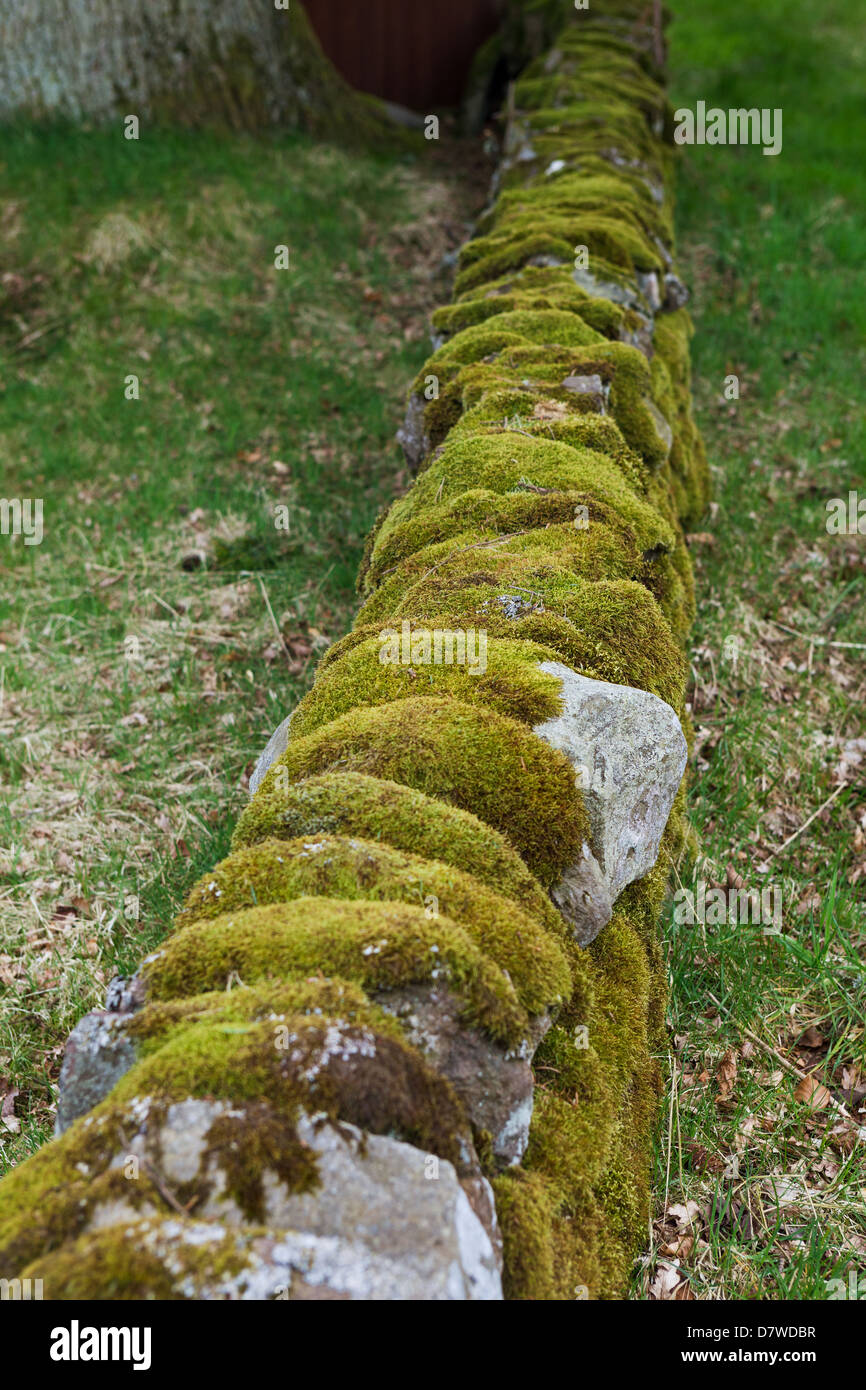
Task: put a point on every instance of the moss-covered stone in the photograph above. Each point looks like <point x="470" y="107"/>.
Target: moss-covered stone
<point x="350" y="803"/>
<point x="502" y="675"/>
<point x="325" y="1067"/>
<point x="477" y="760"/>
<point x="145" y="1261"/>
<point x="406" y="837"/>
<point x="338" y="867"/>
<point x="379" y="945"/>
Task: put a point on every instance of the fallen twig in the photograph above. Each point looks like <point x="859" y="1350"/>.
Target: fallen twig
<point x="841" y="787"/>
<point x="783" y="1061"/>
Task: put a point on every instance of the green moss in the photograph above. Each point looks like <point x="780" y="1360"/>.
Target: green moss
<point x="378" y="945"/>
<point x="508" y="482"/>
<point x="273" y="1000"/>
<point x="499" y="463"/>
<point x="569" y="1143"/>
<point x="505" y="677"/>
<point x="409" y="790"/>
<point x="539" y="231"/>
<point x="621" y="981"/>
<point x="603" y="189"/>
<point x="337" y="867"/>
<point x="531" y="325"/>
<point x="498" y="413"/>
<point x="551" y="562"/>
<point x="525" y="1209"/>
<point x="622" y="368"/>
<point x="495" y="256"/>
<point x="349" y="803"/>
<point x="477" y="760"/>
<point x="607" y="631"/>
<point x="485" y="516"/>
<point x="328" y="1068"/>
<point x="253" y="1142"/>
<point x="111" y="1264"/>
<point x="558" y="292"/>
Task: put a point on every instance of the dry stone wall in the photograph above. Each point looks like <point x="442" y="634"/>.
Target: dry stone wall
<point x="403" y="1042"/>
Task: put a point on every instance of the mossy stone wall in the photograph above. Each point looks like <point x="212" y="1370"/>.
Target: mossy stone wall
<point x="407" y="837"/>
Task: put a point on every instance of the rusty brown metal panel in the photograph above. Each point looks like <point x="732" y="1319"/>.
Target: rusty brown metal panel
<point x="416" y="52"/>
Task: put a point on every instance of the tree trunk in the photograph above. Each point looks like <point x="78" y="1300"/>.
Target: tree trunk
<point x="242" y="63"/>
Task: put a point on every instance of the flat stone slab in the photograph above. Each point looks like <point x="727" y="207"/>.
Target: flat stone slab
<point x="276" y="746"/>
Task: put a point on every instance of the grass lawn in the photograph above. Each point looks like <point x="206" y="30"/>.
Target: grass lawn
<point x="166" y="623"/>
<point x="761" y="1178"/>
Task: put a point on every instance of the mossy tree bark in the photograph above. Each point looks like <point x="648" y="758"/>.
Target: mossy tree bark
<point x="242" y="63"/>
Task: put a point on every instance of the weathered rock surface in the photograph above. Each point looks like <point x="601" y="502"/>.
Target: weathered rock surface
<point x="591" y="388"/>
<point x="386" y="1221"/>
<point x="412" y="436"/>
<point x="98" y="1053"/>
<point x="494" y="1085"/>
<point x="583" y="897"/>
<point x="275" y="747"/>
<point x="662" y="428"/>
<point x="629" y="755"/>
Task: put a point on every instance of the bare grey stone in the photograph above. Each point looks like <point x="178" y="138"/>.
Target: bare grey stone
<point x="663" y="429"/>
<point x="494" y="1085"/>
<point x="387" y="1221"/>
<point x="98" y="1053"/>
<point x="412" y="436"/>
<point x="276" y="746"/>
<point x="591" y="388"/>
<point x="676" y="293"/>
<point x="207" y="1262"/>
<point x="515" y="606"/>
<point x="124" y="994"/>
<point x="583" y="897"/>
<point x="649" y="284"/>
<point x="545" y="261"/>
<point x="624" y="293"/>
<point x="641" y="336"/>
<point x="629" y="755"/>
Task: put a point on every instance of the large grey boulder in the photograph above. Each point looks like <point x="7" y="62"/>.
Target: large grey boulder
<point x="385" y="1221"/>
<point x="629" y="754"/>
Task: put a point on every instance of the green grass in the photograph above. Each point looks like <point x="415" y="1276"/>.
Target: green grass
<point x="259" y="389"/>
<point x="775" y="250"/>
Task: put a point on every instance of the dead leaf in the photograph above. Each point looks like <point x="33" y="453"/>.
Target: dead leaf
<point x="703" y="1159"/>
<point x="685" y="1214"/>
<point x="550" y="410"/>
<point x="810" y="1092"/>
<point x="8" y="1118"/>
<point x="726" y="1074"/>
<point x="668" y="1282"/>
